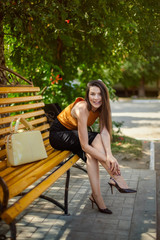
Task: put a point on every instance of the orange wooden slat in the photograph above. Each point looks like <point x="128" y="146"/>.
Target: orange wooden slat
<point x="3" y="165"/>
<point x="20" y="99"/>
<point x="2" y="153"/>
<point x="23" y="203"/>
<point x="11" y="169"/>
<point x="2" y="142"/>
<point x="42" y="127"/>
<point x="25" y="115"/>
<point x="50" y="150"/>
<point x="23" y="89"/>
<point x="18" y="108"/>
<point x="45" y="135"/>
<point x="46" y="142"/>
<point x="38" y="121"/>
<point x="5" y="131"/>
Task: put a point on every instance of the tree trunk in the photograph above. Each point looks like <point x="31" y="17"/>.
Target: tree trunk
<point x="2" y="63"/>
<point x="59" y="52"/>
<point x="141" y="89"/>
<point x="158" y="87"/>
<point x="2" y="58"/>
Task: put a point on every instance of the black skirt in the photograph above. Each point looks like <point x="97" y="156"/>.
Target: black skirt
<point x="62" y="138"/>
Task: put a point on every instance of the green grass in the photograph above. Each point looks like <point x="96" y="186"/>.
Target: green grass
<point x="126" y="145"/>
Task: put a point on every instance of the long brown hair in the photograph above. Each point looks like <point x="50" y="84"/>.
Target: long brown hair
<point x="105" y="110"/>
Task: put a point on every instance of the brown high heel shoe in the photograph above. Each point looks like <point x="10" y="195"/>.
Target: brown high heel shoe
<point x="121" y="190"/>
<point x="105" y="210"/>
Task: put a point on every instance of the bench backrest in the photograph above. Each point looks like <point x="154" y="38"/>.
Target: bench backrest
<point x="27" y="104"/>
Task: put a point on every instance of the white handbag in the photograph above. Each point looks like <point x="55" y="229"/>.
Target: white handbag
<point x="24" y="147"/>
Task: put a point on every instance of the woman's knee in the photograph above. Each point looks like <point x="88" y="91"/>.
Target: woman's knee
<point x="89" y="157"/>
<point x="96" y="140"/>
<point x="97" y="143"/>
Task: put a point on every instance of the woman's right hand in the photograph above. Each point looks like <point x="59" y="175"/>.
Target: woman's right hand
<point x="113" y="165"/>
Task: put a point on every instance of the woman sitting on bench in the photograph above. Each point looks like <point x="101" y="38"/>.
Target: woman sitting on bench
<point x="69" y="131"/>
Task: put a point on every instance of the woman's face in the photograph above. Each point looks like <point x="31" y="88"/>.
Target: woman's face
<point x="95" y="97"/>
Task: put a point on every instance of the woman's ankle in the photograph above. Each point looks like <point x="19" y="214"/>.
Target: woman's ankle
<point x="99" y="200"/>
<point x="120" y="181"/>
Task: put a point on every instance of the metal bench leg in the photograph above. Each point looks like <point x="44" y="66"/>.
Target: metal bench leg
<point x="66" y="193"/>
<point x="13" y="230"/>
<point x="76" y="165"/>
<point x="4" y="203"/>
<point x="58" y="204"/>
<point x="65" y="206"/>
<point x="52" y="201"/>
<point x="3" y="206"/>
<point x="2" y="237"/>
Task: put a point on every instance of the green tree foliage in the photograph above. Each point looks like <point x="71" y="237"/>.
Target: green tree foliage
<point x="62" y="44"/>
<point x="142" y="69"/>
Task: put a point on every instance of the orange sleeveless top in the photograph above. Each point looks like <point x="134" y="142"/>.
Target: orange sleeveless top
<point x="70" y="122"/>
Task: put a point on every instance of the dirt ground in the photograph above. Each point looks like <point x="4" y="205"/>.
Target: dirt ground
<point x="129" y="161"/>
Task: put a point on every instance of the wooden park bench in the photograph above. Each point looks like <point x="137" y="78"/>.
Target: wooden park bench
<point x="14" y="181"/>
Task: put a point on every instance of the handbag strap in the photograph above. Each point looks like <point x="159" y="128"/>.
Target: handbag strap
<point x="18" y="120"/>
<point x="7" y="142"/>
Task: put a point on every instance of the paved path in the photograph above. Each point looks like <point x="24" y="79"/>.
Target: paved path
<point x="141" y="118"/>
<point x="157" y="168"/>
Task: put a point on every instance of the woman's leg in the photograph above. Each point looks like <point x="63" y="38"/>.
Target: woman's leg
<point x="93" y="173"/>
<point x="97" y="143"/>
<point x="68" y="140"/>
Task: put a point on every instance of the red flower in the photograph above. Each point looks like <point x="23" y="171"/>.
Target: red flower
<point x="67" y="21"/>
<point x="57" y="78"/>
<point x="119" y="144"/>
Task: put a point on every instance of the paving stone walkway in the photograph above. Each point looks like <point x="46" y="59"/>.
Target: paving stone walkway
<point x="133" y="218"/>
<point x="157" y="168"/>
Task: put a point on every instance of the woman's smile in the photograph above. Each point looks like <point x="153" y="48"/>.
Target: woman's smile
<point x="95" y="97"/>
